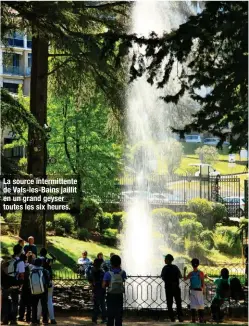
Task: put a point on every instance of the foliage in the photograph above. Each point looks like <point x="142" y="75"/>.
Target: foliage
<point x="83" y="234"/>
<point x="104" y="221"/>
<point x="203" y="209"/>
<point x="90" y="213"/>
<point x="219" y="212"/>
<point x="173" y="161"/>
<point x="207" y="239"/>
<point x="208" y="154"/>
<point x="49" y="226"/>
<point x="64" y="221"/>
<point x="195" y="249"/>
<point x="59" y="230"/>
<point x="225" y="240"/>
<point x="191" y="228"/>
<point x="165" y="220"/>
<point x="117" y="220"/>
<point x="110" y="237"/>
<point x="4" y="228"/>
<point x="12" y="219"/>
<point x="176" y="242"/>
<point x="212" y="48"/>
<point x="186" y="215"/>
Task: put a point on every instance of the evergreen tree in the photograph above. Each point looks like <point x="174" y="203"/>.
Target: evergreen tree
<point x="212" y="48"/>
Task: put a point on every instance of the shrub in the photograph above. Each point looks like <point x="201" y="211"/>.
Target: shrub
<point x="49" y="226"/>
<point x="191" y="228"/>
<point x="59" y="230"/>
<point x="165" y="219"/>
<point x="4" y="229"/>
<point x="203" y="209"/>
<point x="207" y="154"/>
<point x="176" y="242"/>
<point x="219" y="212"/>
<point x="117" y="220"/>
<point x="207" y="238"/>
<point x="90" y="213"/>
<point x="110" y="237"/>
<point x="64" y="221"/>
<point x="186" y="215"/>
<point x="195" y="249"/>
<point x="104" y="221"/>
<point x="226" y="240"/>
<point x="12" y="219"/>
<point x="83" y="234"/>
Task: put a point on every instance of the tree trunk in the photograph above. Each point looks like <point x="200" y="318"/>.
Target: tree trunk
<point x="37" y="153"/>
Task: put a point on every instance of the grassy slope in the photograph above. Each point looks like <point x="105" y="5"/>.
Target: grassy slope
<point x="67" y="252"/>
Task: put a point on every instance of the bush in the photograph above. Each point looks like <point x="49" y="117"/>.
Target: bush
<point x="12" y="219"/>
<point x="83" y="234"/>
<point x="49" y="226"/>
<point x="165" y="220"/>
<point x="207" y="154"/>
<point x="59" y="230"/>
<point x="207" y="238"/>
<point x="109" y="237"/>
<point x="219" y="212"/>
<point x="4" y="229"/>
<point x="104" y="221"/>
<point x="195" y="249"/>
<point x="190" y="228"/>
<point x="90" y="213"/>
<point x="203" y="209"/>
<point x="176" y="242"/>
<point x="117" y="220"/>
<point x="227" y="241"/>
<point x="186" y="215"/>
<point x="64" y="221"/>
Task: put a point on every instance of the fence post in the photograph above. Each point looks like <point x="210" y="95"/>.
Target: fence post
<point x="246" y="197"/>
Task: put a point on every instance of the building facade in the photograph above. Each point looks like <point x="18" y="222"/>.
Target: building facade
<point x="15" y="63"/>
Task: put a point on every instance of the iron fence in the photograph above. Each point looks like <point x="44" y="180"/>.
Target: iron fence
<point x="141" y="292"/>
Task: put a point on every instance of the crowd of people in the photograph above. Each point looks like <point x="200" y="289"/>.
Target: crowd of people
<point x="29" y="276"/>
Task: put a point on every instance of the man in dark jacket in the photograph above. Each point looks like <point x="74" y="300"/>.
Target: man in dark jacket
<point x="171" y="276"/>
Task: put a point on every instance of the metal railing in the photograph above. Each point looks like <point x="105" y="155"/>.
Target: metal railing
<point x="141" y="292"/>
<point x="13" y="70"/>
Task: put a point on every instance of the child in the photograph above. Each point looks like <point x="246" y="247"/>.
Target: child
<point x="171" y="276"/>
<point x="96" y="279"/>
<point x="222" y="293"/>
<point x="196" y="278"/>
<point x="114" y="281"/>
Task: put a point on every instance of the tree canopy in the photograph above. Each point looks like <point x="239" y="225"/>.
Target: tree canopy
<point x="212" y="49"/>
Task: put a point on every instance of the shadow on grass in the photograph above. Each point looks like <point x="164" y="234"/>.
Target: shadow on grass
<point x="62" y="257"/>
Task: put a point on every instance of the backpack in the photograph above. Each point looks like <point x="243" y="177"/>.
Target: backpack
<point x="195" y="280"/>
<point x="236" y="289"/>
<point x="37" y="281"/>
<point x="116" y="285"/>
<point x="12" y="266"/>
<point x="224" y="290"/>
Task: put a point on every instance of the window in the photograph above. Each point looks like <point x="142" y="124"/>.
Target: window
<point x="16" y="39"/>
<point x="29" y="60"/>
<point x="12" y="88"/>
<point x="29" y="41"/>
<point x="11" y="64"/>
<point x="17" y="151"/>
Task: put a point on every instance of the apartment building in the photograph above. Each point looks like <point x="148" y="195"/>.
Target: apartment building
<point x="15" y="70"/>
<point x="15" y="63"/>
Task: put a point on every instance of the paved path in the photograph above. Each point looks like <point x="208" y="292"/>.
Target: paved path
<point x="86" y="321"/>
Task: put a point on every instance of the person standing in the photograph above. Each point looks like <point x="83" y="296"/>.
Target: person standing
<point x="171" y="276"/>
<point x="196" y="278"/>
<point x="95" y="279"/>
<point x="25" y="301"/>
<point x="114" y="281"/>
<point x="16" y="270"/>
<point x="30" y="247"/>
<point x="39" y="283"/>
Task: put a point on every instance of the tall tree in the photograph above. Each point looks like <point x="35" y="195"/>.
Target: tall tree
<point x="212" y="48"/>
<point x="81" y="32"/>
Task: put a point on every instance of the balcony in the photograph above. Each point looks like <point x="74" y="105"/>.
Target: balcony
<point x="13" y="70"/>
